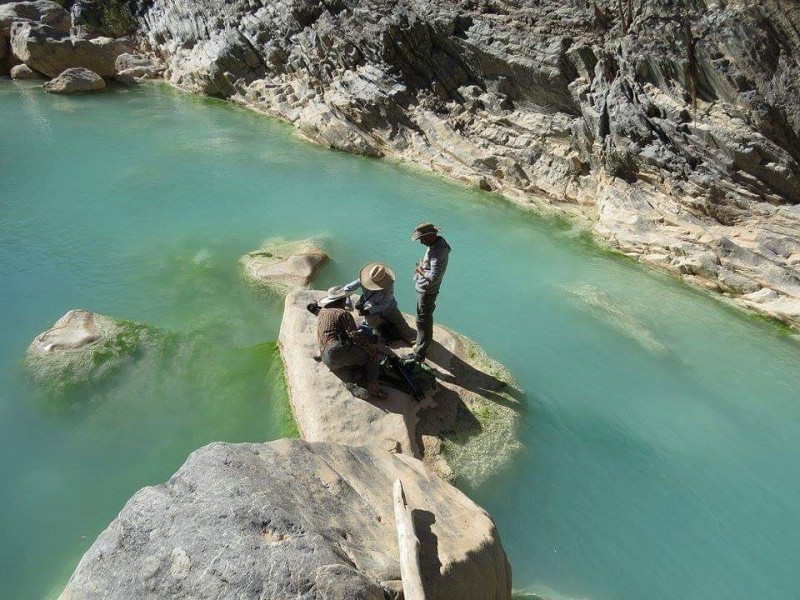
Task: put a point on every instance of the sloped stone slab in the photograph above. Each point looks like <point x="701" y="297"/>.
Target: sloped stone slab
<point x="288" y="520"/>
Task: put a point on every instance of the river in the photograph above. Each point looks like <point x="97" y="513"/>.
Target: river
<point x="661" y="428"/>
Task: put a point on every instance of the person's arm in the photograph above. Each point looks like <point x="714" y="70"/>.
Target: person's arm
<point x="359" y="339"/>
<point x="352" y="286"/>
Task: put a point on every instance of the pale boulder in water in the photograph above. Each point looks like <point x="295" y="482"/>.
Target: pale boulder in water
<point x="82" y="346"/>
<point x="281" y="265"/>
<point x="287" y="520"/>
<point x="74" y="81"/>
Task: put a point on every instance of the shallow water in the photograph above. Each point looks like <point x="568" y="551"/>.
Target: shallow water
<point x="661" y="428"/>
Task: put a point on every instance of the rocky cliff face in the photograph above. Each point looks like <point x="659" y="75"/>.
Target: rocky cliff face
<point x="673" y="126"/>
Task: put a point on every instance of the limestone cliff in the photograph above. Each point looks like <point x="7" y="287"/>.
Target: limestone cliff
<point x="670" y="125"/>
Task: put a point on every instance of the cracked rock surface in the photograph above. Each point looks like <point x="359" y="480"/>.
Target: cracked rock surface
<point x="671" y="127"/>
<point x="291" y="520"/>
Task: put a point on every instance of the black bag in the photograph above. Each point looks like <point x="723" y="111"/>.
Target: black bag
<point x="408" y="375"/>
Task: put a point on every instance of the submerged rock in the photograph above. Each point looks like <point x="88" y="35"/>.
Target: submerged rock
<point x="288" y="520"/>
<point x="281" y="265"/>
<point x="73" y="81"/>
<point x="466" y="428"/>
<point x="83" y="347"/>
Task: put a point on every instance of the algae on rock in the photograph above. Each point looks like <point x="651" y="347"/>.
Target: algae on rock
<point x="84" y="347"/>
<point x="281" y="265"/>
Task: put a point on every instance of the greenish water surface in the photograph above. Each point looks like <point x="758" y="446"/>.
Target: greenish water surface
<point x="661" y="429"/>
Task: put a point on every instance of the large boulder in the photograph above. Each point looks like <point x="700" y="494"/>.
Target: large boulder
<point x="83" y="347"/>
<point x="466" y="428"/>
<point x="289" y="520"/>
<point x="49" y="51"/>
<point x="40" y="11"/>
<point x="281" y="266"/>
<point x="74" y="81"/>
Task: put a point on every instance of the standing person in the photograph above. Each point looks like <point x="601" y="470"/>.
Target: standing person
<point x="378" y="304"/>
<point x="340" y="342"/>
<point x="428" y="276"/>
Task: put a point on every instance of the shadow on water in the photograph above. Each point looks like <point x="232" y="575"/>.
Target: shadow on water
<point x="465" y="375"/>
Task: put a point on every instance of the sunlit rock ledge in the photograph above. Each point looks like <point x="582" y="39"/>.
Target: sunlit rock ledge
<point x="287" y="520"/>
<point x="466" y="429"/>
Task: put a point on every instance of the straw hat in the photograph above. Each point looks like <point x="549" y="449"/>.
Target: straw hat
<point x="335" y="293"/>
<point x="424" y="229"/>
<point x="376" y="276"/>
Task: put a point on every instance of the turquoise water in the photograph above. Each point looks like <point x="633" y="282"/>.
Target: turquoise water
<point x="661" y="429"/>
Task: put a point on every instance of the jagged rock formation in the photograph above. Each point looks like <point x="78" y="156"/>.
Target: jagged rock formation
<point x="281" y="265"/>
<point x="288" y="520"/>
<point x="466" y="428"/>
<point x="671" y="126"/>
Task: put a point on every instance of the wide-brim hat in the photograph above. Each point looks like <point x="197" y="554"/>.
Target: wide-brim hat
<point x="376" y="276"/>
<point x="424" y="229"/>
<point x="335" y="293"/>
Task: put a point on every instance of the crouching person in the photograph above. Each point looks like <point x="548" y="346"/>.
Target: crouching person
<point x="340" y="342"/>
<point x="378" y="304"/>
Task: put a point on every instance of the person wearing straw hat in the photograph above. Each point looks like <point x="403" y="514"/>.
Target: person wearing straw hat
<point x="340" y="342"/>
<point x="428" y="275"/>
<point x="378" y="304"/>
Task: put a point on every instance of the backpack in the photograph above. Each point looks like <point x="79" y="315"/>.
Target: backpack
<point x="407" y="375"/>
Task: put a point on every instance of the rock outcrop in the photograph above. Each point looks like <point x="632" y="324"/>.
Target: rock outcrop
<point x="37" y="12"/>
<point x="73" y="81"/>
<point x="282" y="265"/>
<point x="137" y="66"/>
<point x="467" y="428"/>
<point x="672" y="128"/>
<point x="83" y="347"/>
<point x="288" y="520"/>
<point x="50" y="51"/>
